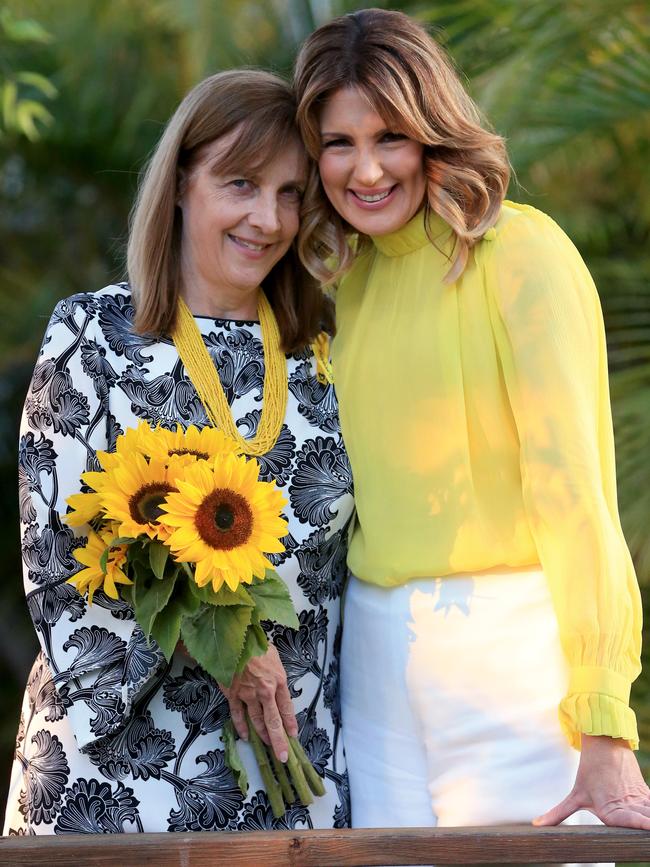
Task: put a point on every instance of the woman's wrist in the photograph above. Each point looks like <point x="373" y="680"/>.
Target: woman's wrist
<point x="602" y="743"/>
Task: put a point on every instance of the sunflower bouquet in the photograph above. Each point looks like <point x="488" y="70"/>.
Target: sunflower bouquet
<point x="181" y="523"/>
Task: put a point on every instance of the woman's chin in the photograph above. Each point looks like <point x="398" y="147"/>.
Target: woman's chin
<point x="377" y="222"/>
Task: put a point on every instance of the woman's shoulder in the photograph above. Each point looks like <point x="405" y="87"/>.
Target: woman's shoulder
<point x="518" y="223"/>
<point x="527" y="255"/>
<point x="112" y="302"/>
<point x="104" y="315"/>
<point x="91" y="302"/>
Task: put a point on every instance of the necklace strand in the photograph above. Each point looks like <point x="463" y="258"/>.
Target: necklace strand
<point x="201" y="370"/>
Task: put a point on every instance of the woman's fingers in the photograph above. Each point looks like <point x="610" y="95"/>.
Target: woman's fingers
<point x="275" y="730"/>
<point x="636" y="816"/>
<point x="560" y="812"/>
<point x="285" y="706"/>
<point x="261" y="691"/>
<point x="238" y="716"/>
<point x="258" y="721"/>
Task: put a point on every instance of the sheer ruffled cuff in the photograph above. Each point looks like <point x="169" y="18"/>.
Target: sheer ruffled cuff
<point x="597" y="703"/>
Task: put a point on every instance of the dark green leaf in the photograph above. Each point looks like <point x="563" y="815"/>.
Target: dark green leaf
<point x="137" y="551"/>
<point x="215" y="638"/>
<point x="126" y="592"/>
<point x="233" y="759"/>
<point x="273" y="601"/>
<point x="158" y="554"/>
<point x="150" y="596"/>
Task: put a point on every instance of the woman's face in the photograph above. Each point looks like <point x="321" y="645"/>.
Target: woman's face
<point x="237" y="226"/>
<point x="372" y="174"/>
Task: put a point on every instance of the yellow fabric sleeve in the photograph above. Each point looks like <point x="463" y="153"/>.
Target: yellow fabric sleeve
<point x="549" y="332"/>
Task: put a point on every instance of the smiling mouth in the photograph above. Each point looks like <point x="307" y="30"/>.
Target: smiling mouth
<point x="374" y="197"/>
<point x="248" y="245"/>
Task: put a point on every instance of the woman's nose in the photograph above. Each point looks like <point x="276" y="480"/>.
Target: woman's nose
<point x="368" y="169"/>
<point x="264" y="214"/>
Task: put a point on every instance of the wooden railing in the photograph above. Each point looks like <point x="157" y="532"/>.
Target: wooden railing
<point x="506" y="844"/>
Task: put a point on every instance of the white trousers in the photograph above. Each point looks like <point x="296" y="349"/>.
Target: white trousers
<point x="449" y="691"/>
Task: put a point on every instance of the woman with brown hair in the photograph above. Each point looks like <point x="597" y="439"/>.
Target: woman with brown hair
<point x="113" y="738"/>
<point x="492" y="585"/>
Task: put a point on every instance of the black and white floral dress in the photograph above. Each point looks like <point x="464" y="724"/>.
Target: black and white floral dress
<point x="111" y="737"/>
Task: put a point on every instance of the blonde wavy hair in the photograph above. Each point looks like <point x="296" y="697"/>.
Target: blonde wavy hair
<point x="262" y="108"/>
<point x="411" y="83"/>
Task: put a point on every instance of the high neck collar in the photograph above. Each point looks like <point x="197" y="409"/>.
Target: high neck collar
<point x="412" y="236"/>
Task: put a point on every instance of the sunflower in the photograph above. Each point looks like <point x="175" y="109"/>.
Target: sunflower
<point x="86" y="505"/>
<point x="225" y="520"/>
<point x="135" y="490"/>
<point x="140" y="439"/>
<point x="93" y="576"/>
<point x="205" y="444"/>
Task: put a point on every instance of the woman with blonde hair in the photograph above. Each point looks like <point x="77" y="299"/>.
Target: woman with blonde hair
<point x="493" y="623"/>
<point x="218" y="324"/>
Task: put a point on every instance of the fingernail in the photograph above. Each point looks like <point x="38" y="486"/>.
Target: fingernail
<point x="284" y="756"/>
<point x="244" y="736"/>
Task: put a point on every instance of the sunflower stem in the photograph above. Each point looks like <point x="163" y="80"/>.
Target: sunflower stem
<point x="313" y="778"/>
<point x="271" y="785"/>
<point x="282" y="777"/>
<point x="298" y="779"/>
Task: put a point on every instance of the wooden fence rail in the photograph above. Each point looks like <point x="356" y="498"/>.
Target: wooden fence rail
<point x="362" y="847"/>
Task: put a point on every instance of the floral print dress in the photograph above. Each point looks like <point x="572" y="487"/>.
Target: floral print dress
<point x="112" y="738"/>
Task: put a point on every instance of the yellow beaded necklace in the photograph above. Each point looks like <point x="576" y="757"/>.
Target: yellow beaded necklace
<point x="201" y="370"/>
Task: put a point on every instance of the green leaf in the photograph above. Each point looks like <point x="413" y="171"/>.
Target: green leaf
<point x="166" y="629"/>
<point x="158" y="554"/>
<point x="121" y="540"/>
<point x="9" y="94"/>
<point x="40" y="82"/>
<point x="255" y="644"/>
<point x="151" y="596"/>
<point x="223" y="596"/>
<point x="103" y="560"/>
<point x="23" y="30"/>
<point x="273" y="601"/>
<point x="167" y="624"/>
<point x="28" y="111"/>
<point x="215" y="638"/>
<point x="232" y="757"/>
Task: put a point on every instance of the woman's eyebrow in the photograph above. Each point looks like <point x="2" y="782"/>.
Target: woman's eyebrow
<point x="295" y="182"/>
<point x="333" y="134"/>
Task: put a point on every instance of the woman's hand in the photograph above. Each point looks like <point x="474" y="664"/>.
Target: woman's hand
<point x="609" y="784"/>
<point x="261" y="689"/>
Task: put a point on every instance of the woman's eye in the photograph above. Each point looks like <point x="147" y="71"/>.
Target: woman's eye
<point x="336" y="143"/>
<point x="240" y="183"/>
<point x="393" y="136"/>
<point x="294" y="194"/>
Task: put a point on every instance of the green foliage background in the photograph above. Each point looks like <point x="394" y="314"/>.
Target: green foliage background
<point x="566" y="81"/>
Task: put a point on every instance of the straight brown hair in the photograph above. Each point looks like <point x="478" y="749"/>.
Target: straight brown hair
<point x="261" y="108"/>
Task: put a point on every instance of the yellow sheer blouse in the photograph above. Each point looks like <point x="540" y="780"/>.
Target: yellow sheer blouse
<point x="477" y="420"/>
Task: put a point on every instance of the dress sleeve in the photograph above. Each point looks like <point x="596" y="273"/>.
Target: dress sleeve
<point x="99" y="658"/>
<point x="550" y="337"/>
